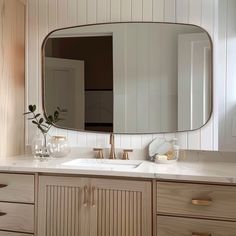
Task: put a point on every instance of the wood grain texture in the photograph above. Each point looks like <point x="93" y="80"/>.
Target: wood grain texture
<point x="18" y="217"/>
<point x="176" y="198"/>
<point x="19" y="188"/>
<point x="120" y="208"/>
<point x="73" y="206"/>
<point x="61" y="208"/>
<point x="174" y="226"/>
<point x="97" y="11"/>
<point x="4" y="233"/>
<point x="12" y="46"/>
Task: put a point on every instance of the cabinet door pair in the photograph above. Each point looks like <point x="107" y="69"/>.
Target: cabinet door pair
<point x="74" y="206"/>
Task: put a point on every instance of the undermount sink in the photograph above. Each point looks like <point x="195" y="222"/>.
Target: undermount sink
<point x="118" y="165"/>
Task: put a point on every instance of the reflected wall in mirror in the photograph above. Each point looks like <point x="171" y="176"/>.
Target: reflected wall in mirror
<point x="129" y="77"/>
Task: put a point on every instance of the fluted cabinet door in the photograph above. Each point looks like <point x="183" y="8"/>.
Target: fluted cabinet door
<point x="120" y="208"/>
<point x="63" y="206"/>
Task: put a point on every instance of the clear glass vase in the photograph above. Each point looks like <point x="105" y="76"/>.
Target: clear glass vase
<point x="59" y="146"/>
<point x="40" y="147"/>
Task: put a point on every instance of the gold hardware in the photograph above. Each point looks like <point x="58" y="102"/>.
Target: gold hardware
<point x="200" y="234"/>
<point x="59" y="137"/>
<point x="85" y="195"/>
<point x="93" y="196"/>
<point x="3" y="185"/>
<point x="112" y="151"/>
<point x="126" y="154"/>
<point x="2" y="213"/>
<point x="202" y="202"/>
<point x="100" y="153"/>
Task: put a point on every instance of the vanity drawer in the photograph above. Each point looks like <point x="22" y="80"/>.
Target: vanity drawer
<point x="210" y="201"/>
<point x="17" y="188"/>
<point x="17" y="217"/>
<point x="4" y="233"/>
<point x="177" y="226"/>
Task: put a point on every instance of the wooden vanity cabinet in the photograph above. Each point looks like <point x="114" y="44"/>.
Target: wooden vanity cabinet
<point x="16" y="204"/>
<point x="193" y="209"/>
<point x="74" y="206"/>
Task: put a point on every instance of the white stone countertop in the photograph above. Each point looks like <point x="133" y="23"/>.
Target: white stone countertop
<point x="214" y="172"/>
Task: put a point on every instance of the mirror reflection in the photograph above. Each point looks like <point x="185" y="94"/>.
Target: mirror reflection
<point x="129" y="77"/>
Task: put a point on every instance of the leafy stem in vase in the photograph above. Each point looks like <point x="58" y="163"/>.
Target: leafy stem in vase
<point x="44" y="124"/>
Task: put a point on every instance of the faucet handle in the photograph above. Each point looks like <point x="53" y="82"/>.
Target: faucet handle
<point x="126" y="154"/>
<point x="99" y="153"/>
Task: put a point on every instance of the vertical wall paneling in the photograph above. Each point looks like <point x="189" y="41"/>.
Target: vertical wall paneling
<point x="182" y="11"/>
<point x="42" y="31"/>
<point x="125" y="141"/>
<point x="221" y="71"/>
<point x="12" y="74"/>
<point x="47" y="15"/>
<point x="208" y="24"/>
<point x="158" y="10"/>
<point x="147" y="10"/>
<point x="195" y="15"/>
<point x="216" y="78"/>
<point x="137" y="10"/>
<point x="170" y="10"/>
<point x="52" y="14"/>
<point x="195" y="11"/>
<point x="81" y="11"/>
<point x="182" y="15"/>
<point x="115" y="10"/>
<point x="33" y="69"/>
<point x="62" y="9"/>
<point x="72" y="12"/>
<point x="125" y="9"/>
<point x="103" y="10"/>
<point x="91" y="11"/>
<point x="230" y="82"/>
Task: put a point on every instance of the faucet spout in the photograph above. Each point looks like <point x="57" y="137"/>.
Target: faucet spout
<point x="112" y="150"/>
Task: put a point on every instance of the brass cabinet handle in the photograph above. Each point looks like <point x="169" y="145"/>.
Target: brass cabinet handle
<point x="93" y="196"/>
<point x="202" y="202"/>
<point x="3" y="185"/>
<point x="200" y="234"/>
<point x="3" y="213"/>
<point x="85" y="196"/>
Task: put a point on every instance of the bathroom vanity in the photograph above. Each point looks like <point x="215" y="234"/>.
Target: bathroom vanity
<point x="54" y="199"/>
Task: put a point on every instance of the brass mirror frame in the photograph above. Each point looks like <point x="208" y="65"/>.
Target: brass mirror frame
<point x="109" y="23"/>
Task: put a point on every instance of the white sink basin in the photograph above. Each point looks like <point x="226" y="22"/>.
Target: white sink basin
<point x="118" y="165"/>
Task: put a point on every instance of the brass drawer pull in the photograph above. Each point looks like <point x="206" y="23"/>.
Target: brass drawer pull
<point x="200" y="234"/>
<point x="85" y="195"/>
<point x="202" y="202"/>
<point x="2" y="213"/>
<point x="3" y="185"/>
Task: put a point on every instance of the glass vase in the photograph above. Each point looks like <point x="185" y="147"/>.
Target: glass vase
<point x="40" y="147"/>
<point x="59" y="146"/>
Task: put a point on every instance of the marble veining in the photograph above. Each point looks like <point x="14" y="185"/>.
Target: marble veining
<point x="218" y="172"/>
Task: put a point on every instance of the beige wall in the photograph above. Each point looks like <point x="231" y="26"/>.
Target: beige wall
<point x="12" y="77"/>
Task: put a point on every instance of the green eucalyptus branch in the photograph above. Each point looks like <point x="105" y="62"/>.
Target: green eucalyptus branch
<point x="44" y="125"/>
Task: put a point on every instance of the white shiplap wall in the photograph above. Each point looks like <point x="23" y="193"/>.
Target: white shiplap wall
<point x="47" y="15"/>
<point x="226" y="71"/>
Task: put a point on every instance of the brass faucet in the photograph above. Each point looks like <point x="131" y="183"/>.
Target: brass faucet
<point x="112" y="150"/>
